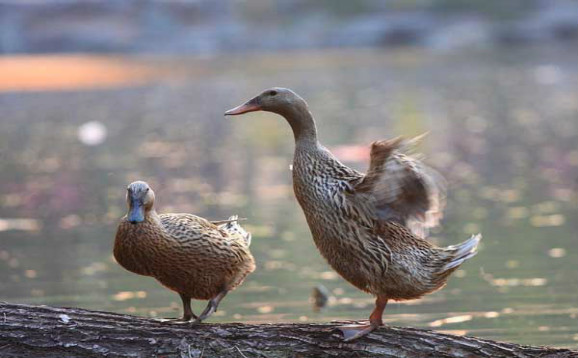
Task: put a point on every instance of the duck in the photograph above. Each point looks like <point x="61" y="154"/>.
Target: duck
<point x="196" y="258"/>
<point x="370" y="227"/>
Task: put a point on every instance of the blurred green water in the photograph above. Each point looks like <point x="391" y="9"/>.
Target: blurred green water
<point x="503" y="130"/>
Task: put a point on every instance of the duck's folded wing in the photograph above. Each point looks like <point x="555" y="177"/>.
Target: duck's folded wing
<point x="186" y="227"/>
<point x="234" y="229"/>
<point x="401" y="188"/>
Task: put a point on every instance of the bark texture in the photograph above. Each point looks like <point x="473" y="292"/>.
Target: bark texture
<point x="42" y="331"/>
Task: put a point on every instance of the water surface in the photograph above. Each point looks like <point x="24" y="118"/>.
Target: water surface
<point x="503" y="130"/>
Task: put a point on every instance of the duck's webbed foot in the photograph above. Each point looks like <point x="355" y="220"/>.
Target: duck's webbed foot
<point x="355" y="331"/>
<point x="184" y="319"/>
<point x="187" y="312"/>
<point x="211" y="307"/>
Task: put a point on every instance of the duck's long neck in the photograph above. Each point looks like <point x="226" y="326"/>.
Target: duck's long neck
<point x="303" y="125"/>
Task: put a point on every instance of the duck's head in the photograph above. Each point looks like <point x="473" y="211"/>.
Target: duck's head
<point x="140" y="199"/>
<point x="277" y="100"/>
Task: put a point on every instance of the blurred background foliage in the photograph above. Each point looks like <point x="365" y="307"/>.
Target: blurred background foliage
<point x="96" y="94"/>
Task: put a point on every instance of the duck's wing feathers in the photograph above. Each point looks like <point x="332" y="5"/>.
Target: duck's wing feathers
<point x="184" y="227"/>
<point x="234" y="229"/>
<point x="401" y="188"/>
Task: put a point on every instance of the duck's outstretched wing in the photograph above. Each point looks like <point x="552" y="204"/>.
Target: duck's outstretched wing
<point x="401" y="188"/>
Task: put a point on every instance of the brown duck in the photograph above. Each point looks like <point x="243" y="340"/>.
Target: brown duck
<point x="369" y="227"/>
<point x="194" y="257"/>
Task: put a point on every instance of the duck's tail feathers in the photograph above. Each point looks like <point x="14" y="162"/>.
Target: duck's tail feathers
<point x="462" y="252"/>
<point x="233" y="228"/>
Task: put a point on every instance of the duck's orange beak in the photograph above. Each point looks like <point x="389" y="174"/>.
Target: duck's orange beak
<point x="250" y="106"/>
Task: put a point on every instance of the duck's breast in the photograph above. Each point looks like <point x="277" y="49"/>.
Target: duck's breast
<point x="133" y="248"/>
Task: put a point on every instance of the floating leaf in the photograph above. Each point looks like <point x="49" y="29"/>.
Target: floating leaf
<point x="557" y="252"/>
<point x="492" y="314"/>
<point x="265" y="309"/>
<point x="547" y="220"/>
<point x="454" y="319"/>
<point x="128" y="295"/>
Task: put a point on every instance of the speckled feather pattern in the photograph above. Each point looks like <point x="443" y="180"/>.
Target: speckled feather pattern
<point x="377" y="254"/>
<point x="185" y="253"/>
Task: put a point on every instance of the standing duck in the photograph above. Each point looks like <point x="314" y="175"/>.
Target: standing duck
<point x="194" y="257"/>
<point x="370" y="227"/>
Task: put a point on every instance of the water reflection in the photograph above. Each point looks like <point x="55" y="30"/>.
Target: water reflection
<point x="503" y="130"/>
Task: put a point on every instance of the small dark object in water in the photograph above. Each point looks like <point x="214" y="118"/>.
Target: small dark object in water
<point x="319" y="297"/>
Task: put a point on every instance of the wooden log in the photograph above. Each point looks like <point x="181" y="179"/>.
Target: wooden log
<point x="42" y="331"/>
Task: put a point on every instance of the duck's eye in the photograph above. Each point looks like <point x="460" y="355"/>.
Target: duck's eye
<point x="273" y="93"/>
<point x="146" y="191"/>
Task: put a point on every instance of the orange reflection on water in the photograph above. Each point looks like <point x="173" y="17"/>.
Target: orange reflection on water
<point x="67" y="72"/>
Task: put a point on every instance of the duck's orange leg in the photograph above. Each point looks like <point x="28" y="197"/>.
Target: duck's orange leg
<point x="187" y="312"/>
<point x="352" y="332"/>
<point x="211" y="307"/>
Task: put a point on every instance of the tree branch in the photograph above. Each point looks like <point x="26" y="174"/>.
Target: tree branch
<point x="42" y="331"/>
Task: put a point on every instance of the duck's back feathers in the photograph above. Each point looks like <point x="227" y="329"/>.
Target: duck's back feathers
<point x="402" y="188"/>
<point x="186" y="227"/>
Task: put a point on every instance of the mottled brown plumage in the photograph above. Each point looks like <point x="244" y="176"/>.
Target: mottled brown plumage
<point x="370" y="228"/>
<point x="186" y="253"/>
